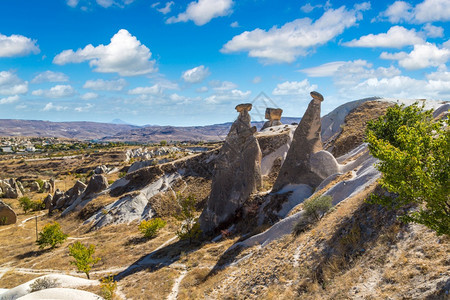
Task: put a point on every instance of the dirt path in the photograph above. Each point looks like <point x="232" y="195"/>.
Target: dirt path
<point x="176" y="285"/>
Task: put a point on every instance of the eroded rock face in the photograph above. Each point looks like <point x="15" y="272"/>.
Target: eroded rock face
<point x="97" y="184"/>
<point x="34" y="187"/>
<point x="237" y="173"/>
<point x="7" y="215"/>
<point x="274" y="117"/>
<point x="296" y="168"/>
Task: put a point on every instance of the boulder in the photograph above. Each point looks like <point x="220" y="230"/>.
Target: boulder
<point x="97" y="184"/>
<point x="52" y="185"/>
<point x="7" y="215"/>
<point x="139" y="165"/>
<point x="15" y="189"/>
<point x="296" y="168"/>
<point x="101" y="169"/>
<point x="48" y="201"/>
<point x="274" y="117"/>
<point x="46" y="187"/>
<point x="34" y="187"/>
<point x="237" y="173"/>
<point x="11" y="193"/>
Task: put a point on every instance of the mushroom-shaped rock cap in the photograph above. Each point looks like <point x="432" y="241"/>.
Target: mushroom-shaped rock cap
<point x="316" y="95"/>
<point x="273" y="113"/>
<point x="243" y="107"/>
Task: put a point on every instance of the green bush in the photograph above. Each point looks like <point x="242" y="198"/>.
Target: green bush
<point x="413" y="150"/>
<point x="108" y="287"/>
<point x="190" y="228"/>
<point x="83" y="255"/>
<point x="316" y="207"/>
<point x="26" y="204"/>
<point x="43" y="283"/>
<point x="151" y="227"/>
<point x="51" y="235"/>
<point x="41" y="185"/>
<point x="122" y="174"/>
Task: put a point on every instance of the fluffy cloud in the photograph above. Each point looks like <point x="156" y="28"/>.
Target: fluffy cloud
<point x="124" y="55"/>
<point x="294" y="88"/>
<point x="427" y="11"/>
<point x="89" y="96"/>
<point x="433" y="31"/>
<point x="85" y="108"/>
<point x="50" y="106"/>
<point x="72" y="3"/>
<point x="150" y="90"/>
<point x="257" y="79"/>
<point x="232" y="95"/>
<point x="195" y="75"/>
<point x="202" y="89"/>
<point x="285" y="44"/>
<point x="221" y="86"/>
<point x="50" y="76"/>
<point x="396" y="37"/>
<point x="325" y="70"/>
<point x="166" y="9"/>
<point x="17" y="45"/>
<point x="422" y="56"/>
<point x="235" y="24"/>
<point x="203" y="11"/>
<point x="10" y="84"/>
<point x="58" y="91"/>
<point x="10" y="99"/>
<point x="105" y="85"/>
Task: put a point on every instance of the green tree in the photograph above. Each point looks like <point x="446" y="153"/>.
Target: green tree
<point x="413" y="150"/>
<point x="163" y="143"/>
<point x="26" y="204"/>
<point x="108" y="287"/>
<point x="51" y="235"/>
<point x="190" y="228"/>
<point x="83" y="255"/>
<point x="151" y="227"/>
<point x="316" y="207"/>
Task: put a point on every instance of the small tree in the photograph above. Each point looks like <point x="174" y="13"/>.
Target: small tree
<point x="163" y="143"/>
<point x="316" y="207"/>
<point x="190" y="228"/>
<point x="83" y="255"/>
<point x="26" y="204"/>
<point x="151" y="227"/>
<point x="413" y="150"/>
<point x="108" y="287"/>
<point x="51" y="235"/>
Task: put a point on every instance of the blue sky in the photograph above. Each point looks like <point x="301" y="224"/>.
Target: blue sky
<point x="190" y="62"/>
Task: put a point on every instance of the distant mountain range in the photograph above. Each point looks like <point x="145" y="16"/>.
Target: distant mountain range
<point x="119" y="132"/>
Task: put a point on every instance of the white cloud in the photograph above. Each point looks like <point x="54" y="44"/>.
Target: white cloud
<point x="219" y="86"/>
<point x="224" y="96"/>
<point x="195" y="75"/>
<point x="433" y="31"/>
<point x="72" y="3"/>
<point x="166" y="9"/>
<point x="89" y="96"/>
<point x="426" y="11"/>
<point x="422" y="56"/>
<point x="10" y="84"/>
<point x="124" y="55"/>
<point x="151" y="90"/>
<point x="85" y="108"/>
<point x="50" y="76"/>
<point x="294" y="88"/>
<point x="17" y="45"/>
<point x="10" y="99"/>
<point x="202" y="89"/>
<point x="235" y="24"/>
<point x="257" y="79"/>
<point x="352" y="72"/>
<point x="50" y="106"/>
<point x="396" y="37"/>
<point x="106" y="85"/>
<point x="155" y="4"/>
<point x="307" y="8"/>
<point x="203" y="11"/>
<point x="58" y="91"/>
<point x="325" y="70"/>
<point x="293" y="39"/>
<point x="102" y="3"/>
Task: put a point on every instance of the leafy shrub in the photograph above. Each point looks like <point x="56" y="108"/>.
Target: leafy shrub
<point x="108" y="287"/>
<point x="41" y="185"/>
<point x="37" y="205"/>
<point x="190" y="228"/>
<point x="44" y="283"/>
<point x="413" y="150"/>
<point x="26" y="204"/>
<point x="51" y="235"/>
<point x="83" y="255"/>
<point x="151" y="227"/>
<point x="122" y="174"/>
<point x="316" y="207"/>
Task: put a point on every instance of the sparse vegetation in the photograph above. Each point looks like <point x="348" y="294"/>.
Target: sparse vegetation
<point x="190" y="228"/>
<point x="44" y="283"/>
<point x="316" y="207"/>
<point x="26" y="204"/>
<point x="151" y="227"/>
<point x="414" y="159"/>
<point x="83" y="255"/>
<point x="51" y="235"/>
<point x="108" y="287"/>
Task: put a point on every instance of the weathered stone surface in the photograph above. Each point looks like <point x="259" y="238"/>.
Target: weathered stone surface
<point x="67" y="198"/>
<point x="7" y="214"/>
<point x="237" y="173"/>
<point x="243" y="107"/>
<point x="34" y="187"/>
<point x="52" y="184"/>
<point x="274" y="117"/>
<point x="101" y="169"/>
<point x="48" y="201"/>
<point x="11" y="193"/>
<point x="296" y="168"/>
<point x="46" y="187"/>
<point x="97" y="184"/>
<point x="316" y="95"/>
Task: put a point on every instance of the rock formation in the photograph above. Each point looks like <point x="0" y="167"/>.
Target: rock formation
<point x="97" y="184"/>
<point x="34" y="187"/>
<point x="7" y="215"/>
<point x="62" y="200"/>
<point x="296" y="168"/>
<point x="237" y="173"/>
<point x="274" y="117"/>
